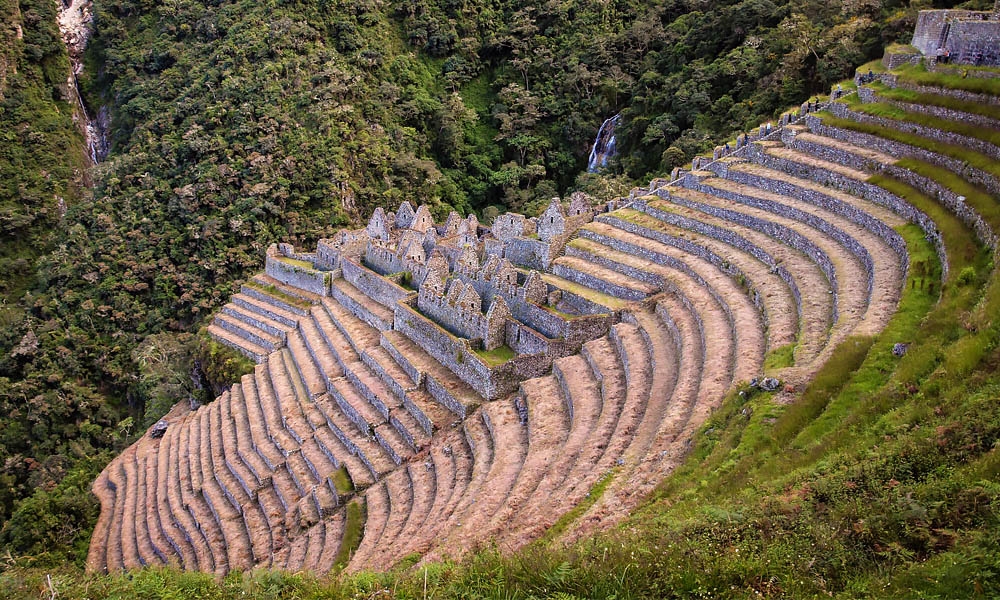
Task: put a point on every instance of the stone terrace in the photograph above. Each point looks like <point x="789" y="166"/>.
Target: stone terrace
<point x="463" y="384"/>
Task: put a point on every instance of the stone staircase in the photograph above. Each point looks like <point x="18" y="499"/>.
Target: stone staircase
<point x="644" y="319"/>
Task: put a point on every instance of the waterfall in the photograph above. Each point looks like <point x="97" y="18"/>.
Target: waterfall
<point x="604" y="144"/>
<point x="74" y="25"/>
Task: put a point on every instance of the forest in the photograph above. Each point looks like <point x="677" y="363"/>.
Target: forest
<point x="238" y="123"/>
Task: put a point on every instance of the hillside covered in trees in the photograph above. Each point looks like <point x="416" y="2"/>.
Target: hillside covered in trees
<point x="237" y="124"/>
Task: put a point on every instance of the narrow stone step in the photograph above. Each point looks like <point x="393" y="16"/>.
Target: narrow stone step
<point x="268" y="449"/>
<point x="602" y="279"/>
<point x="284" y="288"/>
<point x="221" y="495"/>
<point x="175" y="534"/>
<point x="510" y="447"/>
<point x="276" y="314"/>
<point x="333" y="539"/>
<point x="357" y="333"/>
<point x="864" y="155"/>
<point x="611" y="435"/>
<point x="254" y="352"/>
<point x="319" y="347"/>
<point x="423" y="482"/>
<point x="220" y="499"/>
<point x="365" y="308"/>
<point x="131" y="557"/>
<point x="158" y="544"/>
<point x="448" y="484"/>
<point x="272" y="385"/>
<point x="177" y="499"/>
<point x="882" y="271"/>
<point x="97" y="559"/>
<point x="257" y="321"/>
<point x="818" y="305"/>
<point x="765" y="288"/>
<point x="191" y="493"/>
<point x="544" y="411"/>
<point x="442" y="384"/>
<point x="302" y="367"/>
<point x="400" y="490"/>
<point x="378" y="506"/>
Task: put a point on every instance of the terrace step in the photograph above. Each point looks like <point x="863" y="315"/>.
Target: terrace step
<point x="602" y="279"/>
<point x="775" y="297"/>
<point x="424" y="485"/>
<point x="368" y="310"/>
<point x="251" y="350"/>
<point x="357" y="332"/>
<point x="861" y="154"/>
<point x="256" y="320"/>
<point x="302" y="369"/>
<point x="509" y="440"/>
<point x="176" y="498"/>
<point x="275" y="314"/>
<point x="318" y="346"/>
<point x="817" y="304"/>
<point x="545" y="413"/>
<point x="883" y="283"/>
<point x="441" y="382"/>
<point x="267" y="280"/>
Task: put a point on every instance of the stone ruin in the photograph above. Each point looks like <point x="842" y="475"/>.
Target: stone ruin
<point x="959" y="36"/>
<point x="440" y="387"/>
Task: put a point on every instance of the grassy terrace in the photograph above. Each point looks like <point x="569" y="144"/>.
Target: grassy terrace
<point x="919" y="75"/>
<point x="497" y="356"/>
<point x="943" y="101"/>
<point x="280" y="295"/>
<point x="585" y="292"/>
<point x="888" y="111"/>
<point x="973" y="158"/>
<point x="302" y="264"/>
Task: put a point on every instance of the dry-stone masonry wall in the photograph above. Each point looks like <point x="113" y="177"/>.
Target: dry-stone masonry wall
<point x="466" y="384"/>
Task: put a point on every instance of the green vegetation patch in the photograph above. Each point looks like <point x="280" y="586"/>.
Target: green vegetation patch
<point x="973" y="158"/>
<point x="496" y="356"/>
<point x="889" y="111"/>
<point x="919" y="75"/>
<point x="271" y="290"/>
<point x="913" y="97"/>
<point x="979" y="199"/>
<point x="302" y="264"/>
<point x="780" y="357"/>
<point x="354" y="530"/>
<point x="222" y="365"/>
<point x="342" y="481"/>
<point x="569" y="517"/>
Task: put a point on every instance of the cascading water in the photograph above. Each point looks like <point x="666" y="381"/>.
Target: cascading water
<point x="74" y="25"/>
<point x="604" y="144"/>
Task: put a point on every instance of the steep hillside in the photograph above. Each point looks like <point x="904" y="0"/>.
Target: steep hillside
<point x="236" y="124"/>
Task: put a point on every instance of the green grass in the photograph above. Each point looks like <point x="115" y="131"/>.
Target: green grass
<point x="973" y="158"/>
<point x="919" y="75"/>
<point x="943" y="101"/>
<point x="569" y="517"/>
<point x="280" y="295"/>
<point x="497" y="356"/>
<point x="979" y="199"/>
<point x="342" y="481"/>
<point x="780" y="357"/>
<point x="302" y="264"/>
<point x="354" y="529"/>
<point x="889" y="111"/>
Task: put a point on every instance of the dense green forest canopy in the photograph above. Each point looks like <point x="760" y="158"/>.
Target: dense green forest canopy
<point x="239" y="123"/>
